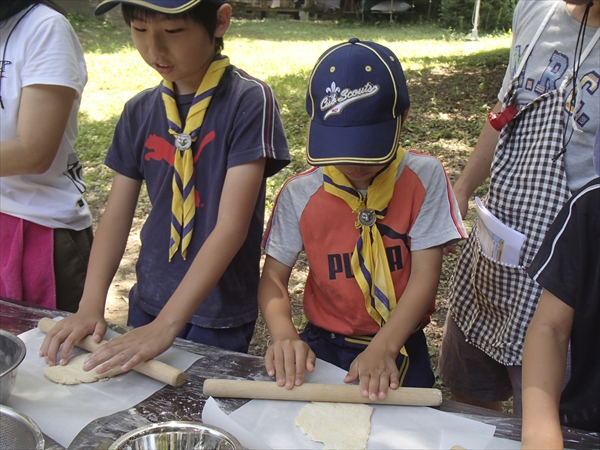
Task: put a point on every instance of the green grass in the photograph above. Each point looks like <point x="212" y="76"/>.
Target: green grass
<point x="453" y="82"/>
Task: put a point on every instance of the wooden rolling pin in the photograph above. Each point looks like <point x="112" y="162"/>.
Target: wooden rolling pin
<point x="313" y="392"/>
<point x="153" y="368"/>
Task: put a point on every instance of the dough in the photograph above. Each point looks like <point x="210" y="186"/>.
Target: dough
<point x="73" y="372"/>
<point x="337" y="425"/>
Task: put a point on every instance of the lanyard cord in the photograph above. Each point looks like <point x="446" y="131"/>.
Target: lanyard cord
<point x="3" y="62"/>
<point x="575" y="81"/>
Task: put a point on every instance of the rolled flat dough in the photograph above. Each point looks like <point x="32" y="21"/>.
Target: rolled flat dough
<point x="73" y="372"/>
<point x="336" y="425"/>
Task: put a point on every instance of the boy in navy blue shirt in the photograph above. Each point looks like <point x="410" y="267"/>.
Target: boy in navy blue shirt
<point x="203" y="141"/>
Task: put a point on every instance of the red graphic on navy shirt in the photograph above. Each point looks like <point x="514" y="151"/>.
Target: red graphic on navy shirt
<point x="162" y="150"/>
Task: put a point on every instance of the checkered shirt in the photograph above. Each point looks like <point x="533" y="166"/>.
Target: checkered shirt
<point x="493" y="303"/>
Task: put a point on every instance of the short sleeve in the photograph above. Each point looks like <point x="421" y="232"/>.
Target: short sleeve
<point x="283" y="238"/>
<point x="55" y="56"/>
<point x="257" y="130"/>
<point x="125" y="151"/>
<point x="508" y="75"/>
<point x="566" y="259"/>
<point x="438" y="221"/>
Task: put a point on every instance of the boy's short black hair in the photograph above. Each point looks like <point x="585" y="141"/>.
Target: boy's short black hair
<point x="204" y="14"/>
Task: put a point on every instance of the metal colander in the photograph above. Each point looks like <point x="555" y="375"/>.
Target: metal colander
<point x="18" y="431"/>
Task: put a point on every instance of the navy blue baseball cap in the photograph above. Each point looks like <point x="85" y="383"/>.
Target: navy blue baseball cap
<point x="356" y="97"/>
<point x="162" y="6"/>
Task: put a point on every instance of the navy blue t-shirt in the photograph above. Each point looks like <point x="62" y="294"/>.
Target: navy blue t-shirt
<point x="242" y="124"/>
<point x="568" y="266"/>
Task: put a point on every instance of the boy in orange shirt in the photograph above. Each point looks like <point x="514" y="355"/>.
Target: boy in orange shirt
<point x="372" y="219"/>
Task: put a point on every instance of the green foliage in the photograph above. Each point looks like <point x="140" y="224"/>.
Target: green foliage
<point x="300" y="323"/>
<point x="494" y="15"/>
<point x="90" y="28"/>
<point x="453" y="84"/>
<point x="426" y="9"/>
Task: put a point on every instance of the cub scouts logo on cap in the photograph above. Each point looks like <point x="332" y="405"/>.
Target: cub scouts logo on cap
<point x="336" y="103"/>
<point x="356" y="99"/>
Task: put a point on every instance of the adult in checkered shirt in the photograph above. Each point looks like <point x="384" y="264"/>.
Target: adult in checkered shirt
<point x="535" y="162"/>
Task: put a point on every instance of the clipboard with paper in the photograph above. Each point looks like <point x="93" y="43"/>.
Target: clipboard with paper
<point x="499" y="242"/>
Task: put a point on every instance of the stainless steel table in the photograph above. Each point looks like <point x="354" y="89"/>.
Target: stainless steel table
<point x="186" y="402"/>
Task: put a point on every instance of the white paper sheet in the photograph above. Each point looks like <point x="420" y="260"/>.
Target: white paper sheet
<point x="393" y="427"/>
<point x="468" y="441"/>
<point x="62" y="411"/>
<point x="216" y="417"/>
<point x="499" y="242"/>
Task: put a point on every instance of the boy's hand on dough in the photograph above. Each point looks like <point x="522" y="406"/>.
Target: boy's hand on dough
<point x="287" y="360"/>
<point x="68" y="332"/>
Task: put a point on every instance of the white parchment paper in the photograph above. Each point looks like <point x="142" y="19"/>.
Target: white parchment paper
<point x="62" y="411"/>
<point x="392" y="427"/>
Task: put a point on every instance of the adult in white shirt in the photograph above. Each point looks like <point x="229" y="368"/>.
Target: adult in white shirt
<point x="45" y="224"/>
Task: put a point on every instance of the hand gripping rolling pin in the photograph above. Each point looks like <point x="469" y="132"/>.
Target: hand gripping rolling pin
<point x="152" y="368"/>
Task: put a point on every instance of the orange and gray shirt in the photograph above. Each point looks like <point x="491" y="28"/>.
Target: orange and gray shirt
<point x="421" y="214"/>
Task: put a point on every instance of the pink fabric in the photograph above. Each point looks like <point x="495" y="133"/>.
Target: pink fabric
<point x="27" y="261"/>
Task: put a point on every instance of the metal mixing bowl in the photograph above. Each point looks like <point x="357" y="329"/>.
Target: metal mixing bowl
<point x="12" y="352"/>
<point x="177" y="435"/>
<point x="18" y="431"/>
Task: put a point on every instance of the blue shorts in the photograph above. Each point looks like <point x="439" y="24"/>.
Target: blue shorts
<point x="236" y="339"/>
<point x="339" y="350"/>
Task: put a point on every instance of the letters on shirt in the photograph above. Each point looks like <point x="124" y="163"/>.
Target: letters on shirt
<point x="340" y="263"/>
